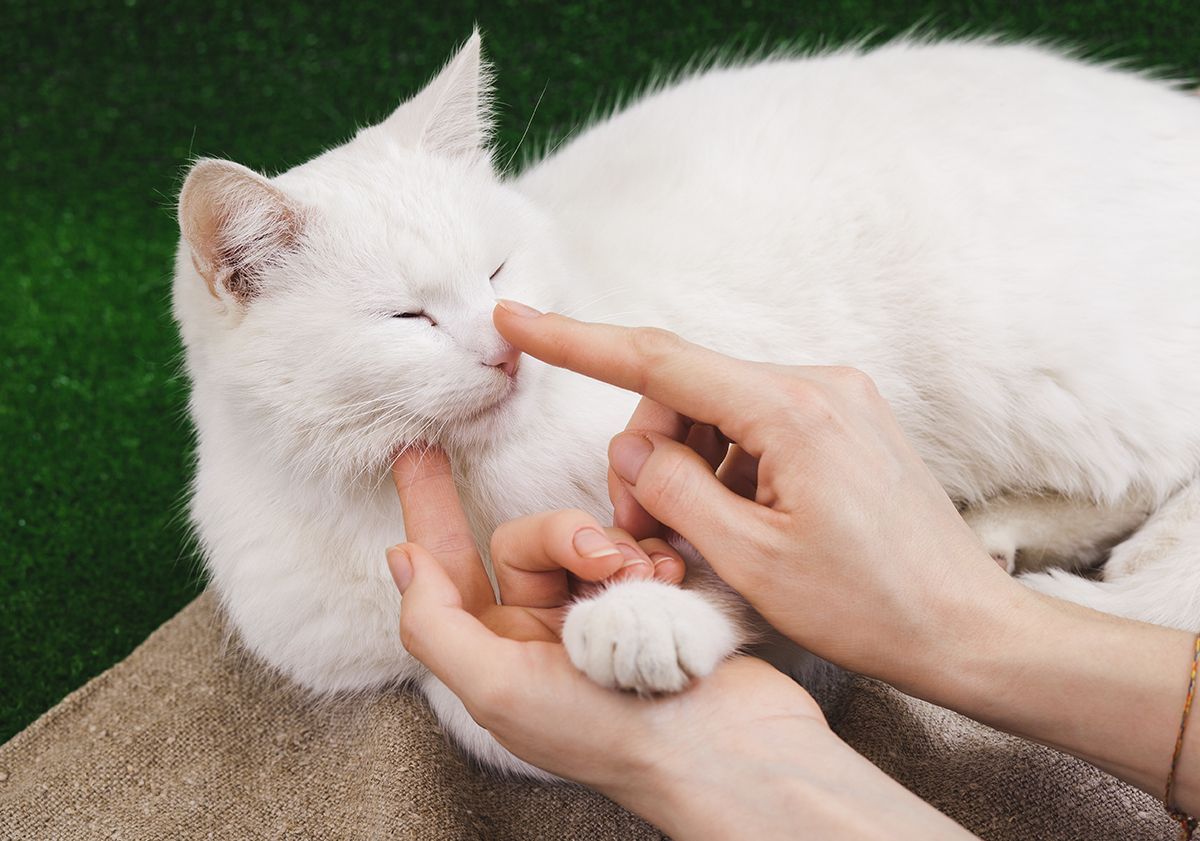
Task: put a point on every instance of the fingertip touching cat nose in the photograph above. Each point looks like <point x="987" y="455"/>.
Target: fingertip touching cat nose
<point x="506" y="358"/>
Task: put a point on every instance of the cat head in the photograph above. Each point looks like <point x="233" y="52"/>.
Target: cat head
<point x="343" y="308"/>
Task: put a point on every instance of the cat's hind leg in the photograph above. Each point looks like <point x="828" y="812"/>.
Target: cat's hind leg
<point x="1154" y="576"/>
<point x="1160" y="536"/>
<point x="1030" y="532"/>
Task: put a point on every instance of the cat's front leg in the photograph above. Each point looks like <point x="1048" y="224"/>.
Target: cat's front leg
<point x="649" y="636"/>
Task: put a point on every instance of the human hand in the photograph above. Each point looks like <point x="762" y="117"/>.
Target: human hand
<point x="824" y="517"/>
<point x="821" y="514"/>
<point x="737" y="731"/>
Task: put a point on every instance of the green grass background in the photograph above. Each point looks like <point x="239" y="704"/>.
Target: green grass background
<point x="101" y="106"/>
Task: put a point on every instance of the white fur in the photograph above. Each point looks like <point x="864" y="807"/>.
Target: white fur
<point x="1153" y="576"/>
<point x="1004" y="238"/>
<point x="647" y="636"/>
<point x="1052" y="531"/>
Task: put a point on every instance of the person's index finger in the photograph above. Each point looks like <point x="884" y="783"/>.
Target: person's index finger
<point x="428" y="496"/>
<point x="704" y="385"/>
<point x="434" y="518"/>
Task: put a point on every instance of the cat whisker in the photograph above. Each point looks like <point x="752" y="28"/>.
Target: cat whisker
<point x="525" y="133"/>
<point x="586" y="304"/>
<point x="643" y="315"/>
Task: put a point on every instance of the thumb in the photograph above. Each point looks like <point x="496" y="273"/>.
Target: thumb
<point x="434" y="627"/>
<point x="435" y="587"/>
<point x="678" y="488"/>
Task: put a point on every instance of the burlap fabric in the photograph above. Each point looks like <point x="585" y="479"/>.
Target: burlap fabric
<point x="184" y="740"/>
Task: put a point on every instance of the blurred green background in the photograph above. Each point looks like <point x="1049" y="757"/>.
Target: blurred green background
<point x="102" y="105"/>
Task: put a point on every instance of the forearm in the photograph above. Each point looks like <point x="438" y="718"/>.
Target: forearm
<point x="810" y="785"/>
<point x="1105" y="689"/>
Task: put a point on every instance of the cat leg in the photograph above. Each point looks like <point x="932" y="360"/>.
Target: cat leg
<point x="1032" y="532"/>
<point x="652" y="637"/>
<point x="1160" y="534"/>
<point x="1154" y="576"/>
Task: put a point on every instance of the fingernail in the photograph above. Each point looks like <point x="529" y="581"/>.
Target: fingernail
<point x="518" y="309"/>
<point x="627" y="453"/>
<point x="658" y="557"/>
<point x="590" y="543"/>
<point x="401" y="566"/>
<point x="635" y="563"/>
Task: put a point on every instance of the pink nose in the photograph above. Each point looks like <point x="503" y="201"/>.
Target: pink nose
<point x="507" y="358"/>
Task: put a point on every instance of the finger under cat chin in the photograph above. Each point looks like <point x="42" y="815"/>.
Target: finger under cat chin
<point x="434" y="517"/>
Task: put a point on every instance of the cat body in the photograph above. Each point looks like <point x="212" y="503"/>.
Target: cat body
<point x="1003" y="238"/>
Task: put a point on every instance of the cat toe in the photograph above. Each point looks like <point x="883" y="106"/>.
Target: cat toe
<point x="647" y="637"/>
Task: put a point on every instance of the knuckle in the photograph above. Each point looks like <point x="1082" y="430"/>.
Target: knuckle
<point x="796" y="389"/>
<point x="411" y="636"/>
<point x="806" y="402"/>
<point x="558" y="535"/>
<point x="771" y="536"/>
<point x="562" y="343"/>
<point x="665" y="484"/>
<point x="656" y="545"/>
<point x="569" y="519"/>
<point x="762" y="547"/>
<point x="651" y="344"/>
<point x="855" y="382"/>
<point x="618" y="535"/>
<point x="502" y="542"/>
<point x="449" y="545"/>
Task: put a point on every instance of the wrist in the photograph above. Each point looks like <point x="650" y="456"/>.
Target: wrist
<point x="967" y="627"/>
<point x="1105" y="689"/>
<point x="807" y="781"/>
<point x="754" y="784"/>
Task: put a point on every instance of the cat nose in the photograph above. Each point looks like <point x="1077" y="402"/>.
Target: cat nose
<point x="506" y="358"/>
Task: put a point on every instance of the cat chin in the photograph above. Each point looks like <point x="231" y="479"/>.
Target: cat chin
<point x="477" y="429"/>
<point x="487" y="426"/>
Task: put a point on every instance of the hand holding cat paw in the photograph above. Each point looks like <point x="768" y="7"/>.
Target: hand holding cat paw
<point x="797" y="486"/>
<point x="514" y="677"/>
<point x="541" y="561"/>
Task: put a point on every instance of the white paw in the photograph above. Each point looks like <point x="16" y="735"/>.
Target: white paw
<point x="647" y="636"/>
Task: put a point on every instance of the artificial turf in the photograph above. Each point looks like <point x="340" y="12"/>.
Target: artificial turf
<point x="102" y="105"/>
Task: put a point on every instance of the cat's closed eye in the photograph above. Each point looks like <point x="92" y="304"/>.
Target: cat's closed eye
<point x="498" y="268"/>
<point x="421" y="314"/>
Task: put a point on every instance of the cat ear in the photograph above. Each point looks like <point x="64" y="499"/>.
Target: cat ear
<point x="236" y="223"/>
<point x="451" y="115"/>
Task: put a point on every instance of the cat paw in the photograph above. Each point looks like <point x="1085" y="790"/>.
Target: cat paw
<point x="647" y="636"/>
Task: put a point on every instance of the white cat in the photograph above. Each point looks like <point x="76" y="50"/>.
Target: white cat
<point x="1005" y="239"/>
